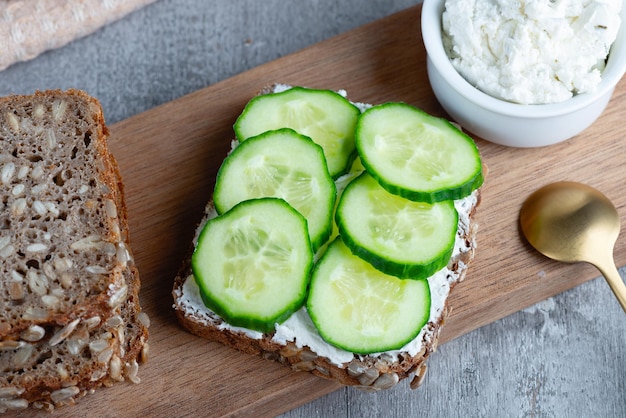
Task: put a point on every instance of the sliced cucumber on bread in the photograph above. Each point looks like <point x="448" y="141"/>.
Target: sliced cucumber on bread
<point x="362" y="310"/>
<point x="398" y="236"/>
<point x="416" y="155"/>
<point x="277" y="206"/>
<point x="252" y="263"/>
<point x="283" y="164"/>
<point x="325" y="116"/>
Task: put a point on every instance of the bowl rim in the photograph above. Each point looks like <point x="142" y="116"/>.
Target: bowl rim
<point x="431" y="28"/>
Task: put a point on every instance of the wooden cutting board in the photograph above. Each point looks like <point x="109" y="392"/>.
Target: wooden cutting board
<point x="169" y="156"/>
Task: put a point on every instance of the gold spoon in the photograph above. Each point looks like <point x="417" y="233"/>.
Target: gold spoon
<point x="572" y="222"/>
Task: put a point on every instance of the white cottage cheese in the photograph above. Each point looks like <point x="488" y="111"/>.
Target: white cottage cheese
<point x="531" y="51"/>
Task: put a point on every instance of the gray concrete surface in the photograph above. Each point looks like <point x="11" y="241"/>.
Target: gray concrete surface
<point x="565" y="357"/>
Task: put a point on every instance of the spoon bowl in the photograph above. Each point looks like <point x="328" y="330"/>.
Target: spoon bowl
<point x="573" y="222"/>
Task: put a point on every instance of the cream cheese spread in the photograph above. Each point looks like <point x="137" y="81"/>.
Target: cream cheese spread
<point x="531" y="51"/>
<point x="299" y="328"/>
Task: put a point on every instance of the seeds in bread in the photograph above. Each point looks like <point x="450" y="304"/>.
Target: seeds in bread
<point x="92" y="354"/>
<point x="61" y="244"/>
<point x="55" y="360"/>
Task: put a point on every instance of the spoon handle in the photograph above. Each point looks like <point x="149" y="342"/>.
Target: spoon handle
<point x="610" y="273"/>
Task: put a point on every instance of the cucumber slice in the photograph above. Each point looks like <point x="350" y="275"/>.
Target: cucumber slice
<point x="362" y="310"/>
<point x="323" y="115"/>
<point x="397" y="236"/>
<point x="252" y="264"/>
<point x="281" y="164"/>
<point x="342" y="182"/>
<point x="416" y="155"/>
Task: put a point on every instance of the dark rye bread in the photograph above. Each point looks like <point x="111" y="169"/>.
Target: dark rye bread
<point x="369" y="372"/>
<point x="62" y="248"/>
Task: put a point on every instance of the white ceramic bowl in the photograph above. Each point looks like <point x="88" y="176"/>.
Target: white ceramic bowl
<point x="507" y="123"/>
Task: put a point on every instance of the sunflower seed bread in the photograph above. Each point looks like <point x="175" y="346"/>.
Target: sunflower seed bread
<point x="297" y="344"/>
<point x="69" y="287"/>
<point x="58" y="185"/>
<point x="70" y="361"/>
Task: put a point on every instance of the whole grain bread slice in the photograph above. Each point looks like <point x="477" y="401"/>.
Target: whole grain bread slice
<point x="368" y="372"/>
<point x="74" y="359"/>
<point x="56" y="360"/>
<point x="62" y="249"/>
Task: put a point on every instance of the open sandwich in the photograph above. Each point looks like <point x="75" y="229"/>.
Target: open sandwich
<point x="334" y="236"/>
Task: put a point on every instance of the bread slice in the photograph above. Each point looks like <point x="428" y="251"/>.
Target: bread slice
<point x="296" y="342"/>
<point x="62" y="249"/>
<point x="86" y="355"/>
<point x="97" y="334"/>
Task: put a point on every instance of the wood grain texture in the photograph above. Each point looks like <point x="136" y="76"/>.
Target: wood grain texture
<point x="169" y="156"/>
